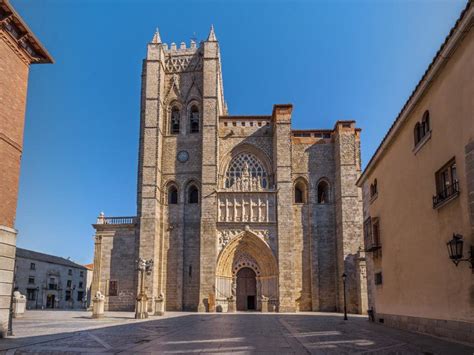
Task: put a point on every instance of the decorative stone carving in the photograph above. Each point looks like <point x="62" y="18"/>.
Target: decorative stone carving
<point x="226" y="235"/>
<point x="246" y="207"/>
<point x="246" y="173"/>
<point x="179" y="64"/>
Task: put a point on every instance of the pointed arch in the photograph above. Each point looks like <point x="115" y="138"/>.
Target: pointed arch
<point x="192" y="192"/>
<point x="259" y="159"/>
<point x="256" y="251"/>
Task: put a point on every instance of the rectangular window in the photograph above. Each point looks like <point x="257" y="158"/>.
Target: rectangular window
<point x="368" y="233"/>
<point x="52" y="284"/>
<point x="81" y="274"/>
<point x="80" y="284"/>
<point x="80" y="296"/>
<point x="69" y="283"/>
<point x="376" y="233"/>
<point x="113" y="288"/>
<point x="31" y="294"/>
<point x="68" y="295"/>
<point x="32" y="266"/>
<point x="31" y="280"/>
<point x="378" y="278"/>
<point x="69" y="272"/>
<point x="447" y="185"/>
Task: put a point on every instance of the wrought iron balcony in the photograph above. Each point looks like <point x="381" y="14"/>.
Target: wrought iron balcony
<point x="446" y="194"/>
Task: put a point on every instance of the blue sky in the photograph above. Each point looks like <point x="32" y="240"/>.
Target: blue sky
<point x="331" y="59"/>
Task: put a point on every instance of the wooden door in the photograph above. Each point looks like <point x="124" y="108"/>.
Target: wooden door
<point x="246" y="289"/>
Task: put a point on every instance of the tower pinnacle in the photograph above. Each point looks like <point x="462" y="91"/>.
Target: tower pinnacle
<point x="156" y="37"/>
<point x="212" y="35"/>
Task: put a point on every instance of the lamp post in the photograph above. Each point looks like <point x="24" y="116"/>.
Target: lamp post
<point x="344" y="276"/>
<point x="36" y="298"/>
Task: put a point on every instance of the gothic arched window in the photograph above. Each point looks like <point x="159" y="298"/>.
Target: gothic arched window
<point x="172" y="195"/>
<point x="246" y="173"/>
<point x="193" y="194"/>
<point x="174" y="122"/>
<point x="194" y="120"/>
<point x="323" y="192"/>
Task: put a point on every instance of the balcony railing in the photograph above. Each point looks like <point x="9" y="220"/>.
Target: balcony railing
<point x="116" y="220"/>
<point x="446" y="194"/>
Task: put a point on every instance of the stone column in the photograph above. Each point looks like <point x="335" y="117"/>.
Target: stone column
<point x="7" y="262"/>
<point x="349" y="214"/>
<point x="210" y="157"/>
<point x="98" y="305"/>
<point x="149" y="195"/>
<point x="96" y="275"/>
<point x="281" y="118"/>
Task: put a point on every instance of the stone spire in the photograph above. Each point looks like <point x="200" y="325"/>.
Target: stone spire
<point x="212" y="35"/>
<point x="156" y="37"/>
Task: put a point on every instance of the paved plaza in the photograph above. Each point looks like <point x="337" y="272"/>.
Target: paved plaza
<point x="55" y="332"/>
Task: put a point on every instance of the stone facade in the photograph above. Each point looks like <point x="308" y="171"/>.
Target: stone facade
<point x="50" y="281"/>
<point x="18" y="49"/>
<point x="219" y="193"/>
<point x="418" y="192"/>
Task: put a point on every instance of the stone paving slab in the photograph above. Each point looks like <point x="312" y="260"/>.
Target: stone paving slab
<point x="201" y="333"/>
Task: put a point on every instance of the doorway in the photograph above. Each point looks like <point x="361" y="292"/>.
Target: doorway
<point x="246" y="290"/>
<point x="50" y="301"/>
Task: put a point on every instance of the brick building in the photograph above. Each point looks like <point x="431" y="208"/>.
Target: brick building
<point x="233" y="210"/>
<point x="18" y="49"/>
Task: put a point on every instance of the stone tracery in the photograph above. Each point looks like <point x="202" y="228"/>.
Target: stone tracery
<point x="246" y="173"/>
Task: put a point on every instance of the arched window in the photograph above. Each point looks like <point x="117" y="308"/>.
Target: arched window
<point x="417" y="133"/>
<point x="193" y="194"/>
<point x="373" y="188"/>
<point x="194" y="120"/>
<point x="246" y="173"/>
<point x="300" y="192"/>
<point x="174" y="122"/>
<point x="323" y="192"/>
<point x="425" y="122"/>
<point x="172" y="195"/>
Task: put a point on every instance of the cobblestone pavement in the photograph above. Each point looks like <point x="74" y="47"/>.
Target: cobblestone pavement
<point x="245" y="333"/>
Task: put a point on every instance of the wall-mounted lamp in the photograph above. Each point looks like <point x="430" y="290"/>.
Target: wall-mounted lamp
<point x="455" y="251"/>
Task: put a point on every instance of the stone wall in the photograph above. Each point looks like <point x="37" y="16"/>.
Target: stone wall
<point x="115" y="255"/>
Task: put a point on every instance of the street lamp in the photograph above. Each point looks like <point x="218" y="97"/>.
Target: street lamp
<point x="344" y="276"/>
<point x="144" y="266"/>
<point x="455" y="251"/>
<point x="37" y="294"/>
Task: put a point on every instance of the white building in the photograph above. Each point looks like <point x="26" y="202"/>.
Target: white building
<point x="50" y="281"/>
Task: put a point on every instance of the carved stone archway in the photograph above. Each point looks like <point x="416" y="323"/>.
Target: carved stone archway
<point x="246" y="250"/>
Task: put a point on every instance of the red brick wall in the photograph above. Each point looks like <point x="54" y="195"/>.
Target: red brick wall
<point x="13" y="89"/>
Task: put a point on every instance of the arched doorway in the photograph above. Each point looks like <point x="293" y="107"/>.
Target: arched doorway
<point x="246" y="290"/>
<point x="248" y="259"/>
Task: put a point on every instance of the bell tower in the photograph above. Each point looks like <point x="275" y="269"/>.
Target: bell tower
<point x="181" y="101"/>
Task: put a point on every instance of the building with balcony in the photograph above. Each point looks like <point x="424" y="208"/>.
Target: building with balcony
<point x="419" y="192"/>
<point x="50" y="281"/>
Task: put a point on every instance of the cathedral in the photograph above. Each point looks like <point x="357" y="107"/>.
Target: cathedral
<point x="236" y="213"/>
